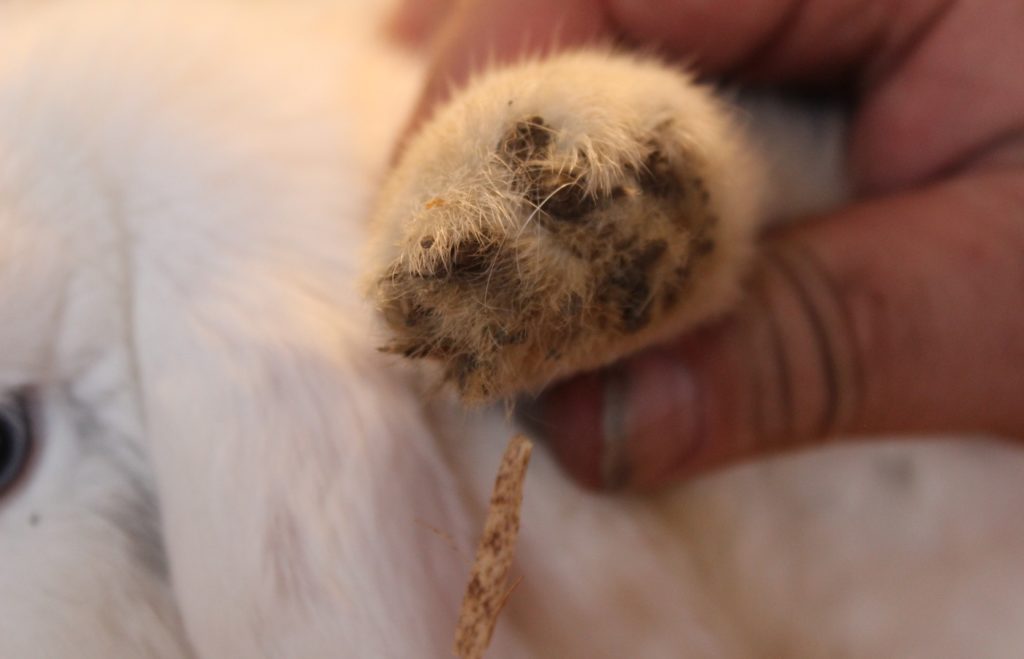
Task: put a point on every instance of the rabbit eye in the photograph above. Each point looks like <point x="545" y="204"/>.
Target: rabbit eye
<point x="16" y="438"/>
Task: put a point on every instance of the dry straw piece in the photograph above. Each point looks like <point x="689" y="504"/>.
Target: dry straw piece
<point x="488" y="581"/>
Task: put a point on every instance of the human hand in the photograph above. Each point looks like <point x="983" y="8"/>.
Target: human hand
<point x="901" y="312"/>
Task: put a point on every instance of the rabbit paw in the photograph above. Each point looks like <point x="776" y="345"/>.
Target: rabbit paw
<point x="558" y="215"/>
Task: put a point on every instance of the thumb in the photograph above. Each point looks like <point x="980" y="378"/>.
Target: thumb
<point x="897" y="315"/>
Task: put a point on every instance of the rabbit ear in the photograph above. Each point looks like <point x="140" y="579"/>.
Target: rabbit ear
<point x="295" y="474"/>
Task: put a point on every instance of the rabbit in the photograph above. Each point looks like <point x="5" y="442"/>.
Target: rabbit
<point x="205" y="453"/>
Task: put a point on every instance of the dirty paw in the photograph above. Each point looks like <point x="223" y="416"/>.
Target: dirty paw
<point x="557" y="216"/>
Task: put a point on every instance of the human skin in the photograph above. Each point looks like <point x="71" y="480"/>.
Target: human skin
<point x="901" y="312"/>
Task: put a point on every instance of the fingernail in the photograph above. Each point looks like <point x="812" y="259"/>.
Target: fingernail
<point x="661" y="427"/>
<point x="634" y="426"/>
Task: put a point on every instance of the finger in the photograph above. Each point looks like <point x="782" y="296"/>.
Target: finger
<point x="773" y="39"/>
<point x="485" y="32"/>
<point x="415" y="22"/>
<point x="898" y="315"/>
<point x="935" y="79"/>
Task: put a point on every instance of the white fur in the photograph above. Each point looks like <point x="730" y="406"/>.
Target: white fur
<point x="183" y="190"/>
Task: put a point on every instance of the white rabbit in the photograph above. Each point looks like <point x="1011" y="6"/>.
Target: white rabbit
<point x="204" y="454"/>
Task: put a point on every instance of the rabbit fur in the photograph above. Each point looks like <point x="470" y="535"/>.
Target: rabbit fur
<point x="227" y="466"/>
